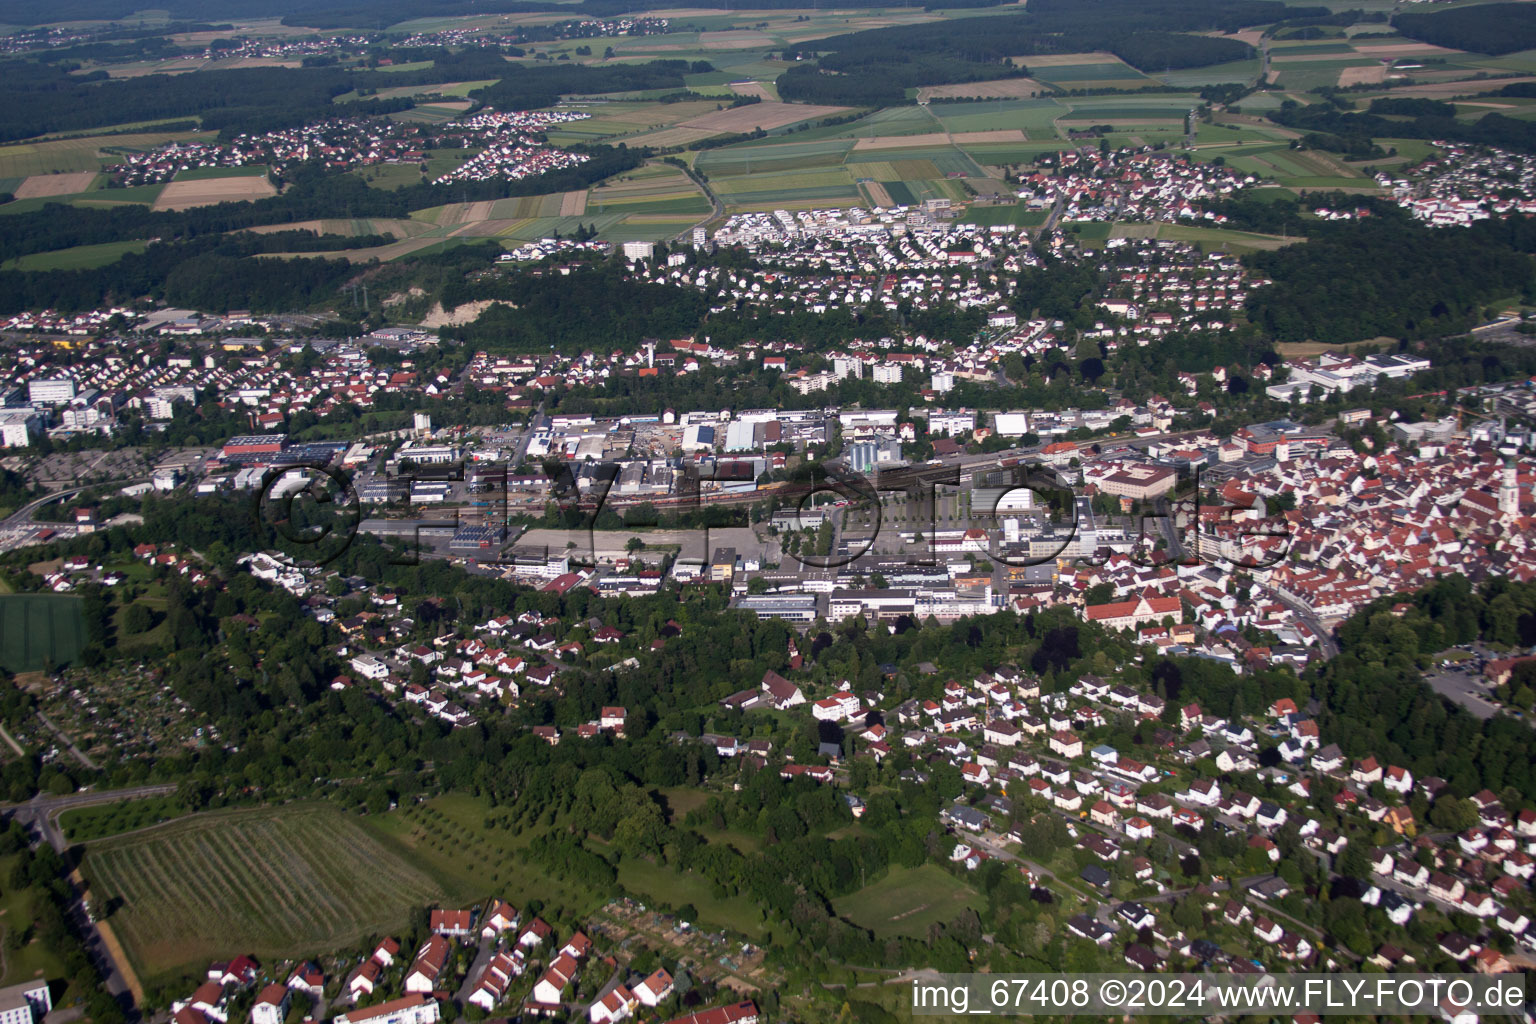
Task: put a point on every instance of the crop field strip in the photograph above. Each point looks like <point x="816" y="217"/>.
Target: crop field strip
<point x="256" y="880"/>
<point x="38" y="186"/>
<point x="90" y="153"/>
<point x="37" y="628"/>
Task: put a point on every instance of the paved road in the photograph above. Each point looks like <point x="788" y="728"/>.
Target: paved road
<point x="716" y="212"/>
<point x="42" y="812"/>
<point x="1325" y="640"/>
<point x="483" y="955"/>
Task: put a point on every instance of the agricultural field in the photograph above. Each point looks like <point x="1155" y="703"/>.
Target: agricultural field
<point x="90" y="153"/>
<point x="1001" y="88"/>
<point x="205" y="186"/>
<point x="1214" y="74"/>
<point x="655" y="189"/>
<point x="1035" y="117"/>
<point x="447" y="90"/>
<point x="351" y="228"/>
<point x="433" y="113"/>
<point x="274" y="882"/>
<point x="80" y="257"/>
<point x="42" y="186"/>
<point x="1296" y="168"/>
<point x="763" y="116"/>
<point x="609" y="120"/>
<point x="38" y="630"/>
<point x="827" y="186"/>
<point x="1082" y="71"/>
<point x="907" y="900"/>
<point x="757" y="158"/>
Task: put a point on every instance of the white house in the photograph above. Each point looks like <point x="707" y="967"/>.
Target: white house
<point x="613" y="1007"/>
<point x="271" y="1005"/>
<point x="654" y="989"/>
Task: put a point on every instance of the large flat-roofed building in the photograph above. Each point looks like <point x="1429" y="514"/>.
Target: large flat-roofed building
<point x="796" y="608"/>
<point x="255" y="444"/>
<point x="427" y="454"/>
<point x="412" y="1009"/>
<point x="17" y="427"/>
<point x="50" y="390"/>
<point x="1137" y="482"/>
<point x="25" y="1003"/>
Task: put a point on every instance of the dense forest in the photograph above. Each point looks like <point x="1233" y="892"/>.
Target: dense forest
<point x="1333" y="126"/>
<point x="877" y="65"/>
<point x="212" y="273"/>
<point x="524" y="88"/>
<point x="598" y="308"/>
<point x="1389" y="275"/>
<point x="41" y="96"/>
<point x="1484" y="28"/>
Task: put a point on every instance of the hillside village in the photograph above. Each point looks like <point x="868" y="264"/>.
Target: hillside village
<point x="505" y="142"/>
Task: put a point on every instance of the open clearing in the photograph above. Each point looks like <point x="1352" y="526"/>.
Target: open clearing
<point x="183" y="195"/>
<point x="757" y="89"/>
<point x="76" y="257"/>
<point x="766" y="116"/>
<point x="1362" y="76"/>
<point x="908" y="900"/>
<point x="40" y="186"/>
<point x="275" y="882"/>
<point x="468" y="313"/>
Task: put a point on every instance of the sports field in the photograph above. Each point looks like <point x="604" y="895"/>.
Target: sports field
<point x="274" y="882"/>
<point x="38" y="630"/>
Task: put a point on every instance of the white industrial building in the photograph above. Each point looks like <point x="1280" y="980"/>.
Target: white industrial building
<point x="17" y="427"/>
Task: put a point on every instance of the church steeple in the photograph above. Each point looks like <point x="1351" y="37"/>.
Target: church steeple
<point x="1509" y="492"/>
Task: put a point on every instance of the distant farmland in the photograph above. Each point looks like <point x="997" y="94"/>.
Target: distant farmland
<point x="274" y="882"/>
<point x="38" y="630"/>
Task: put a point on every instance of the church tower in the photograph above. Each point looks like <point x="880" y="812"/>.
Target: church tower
<point x="1509" y="492"/>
